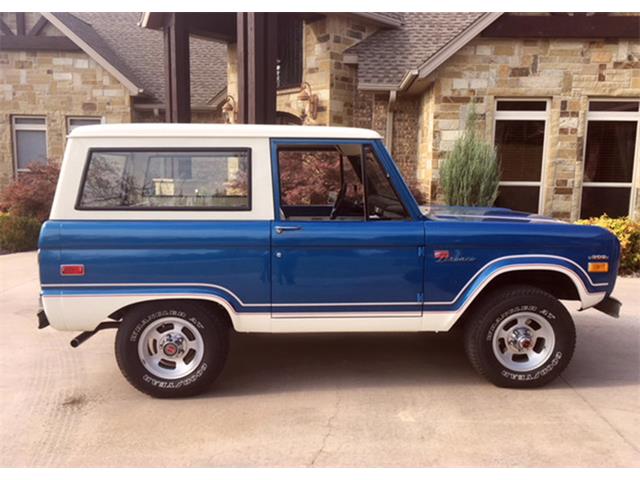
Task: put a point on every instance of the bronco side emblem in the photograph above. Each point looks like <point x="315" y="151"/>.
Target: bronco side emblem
<point x="441" y="255"/>
<point x="446" y="256"/>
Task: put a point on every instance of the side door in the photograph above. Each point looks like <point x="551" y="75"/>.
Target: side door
<point x="344" y="244"/>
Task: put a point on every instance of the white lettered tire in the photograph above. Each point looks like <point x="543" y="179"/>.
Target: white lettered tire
<point x="171" y="349"/>
<point x="519" y="337"/>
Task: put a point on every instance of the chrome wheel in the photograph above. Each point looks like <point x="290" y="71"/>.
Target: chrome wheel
<point x="170" y="348"/>
<point x="523" y="341"/>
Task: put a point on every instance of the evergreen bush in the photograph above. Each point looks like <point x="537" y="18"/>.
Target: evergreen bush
<point x="471" y="173"/>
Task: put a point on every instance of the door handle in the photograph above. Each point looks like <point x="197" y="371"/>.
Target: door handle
<point x="287" y="228"/>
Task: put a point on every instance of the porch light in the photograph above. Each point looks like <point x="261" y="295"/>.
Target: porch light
<point x="308" y="101"/>
<point x="229" y="110"/>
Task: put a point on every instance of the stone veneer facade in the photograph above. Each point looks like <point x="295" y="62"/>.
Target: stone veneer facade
<point x="55" y="85"/>
<point x="58" y="85"/>
<point x="567" y="73"/>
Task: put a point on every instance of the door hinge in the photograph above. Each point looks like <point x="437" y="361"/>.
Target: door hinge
<point x="421" y="251"/>
<point x="420" y="297"/>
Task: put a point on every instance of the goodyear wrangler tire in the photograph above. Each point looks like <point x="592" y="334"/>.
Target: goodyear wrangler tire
<point x="171" y="349"/>
<point x="520" y="337"/>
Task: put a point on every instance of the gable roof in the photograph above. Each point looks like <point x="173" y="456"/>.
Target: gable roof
<point x="88" y="39"/>
<point x="387" y="57"/>
<point x="135" y="55"/>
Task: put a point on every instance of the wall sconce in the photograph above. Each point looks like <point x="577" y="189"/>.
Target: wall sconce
<point x="229" y="110"/>
<point x="307" y="96"/>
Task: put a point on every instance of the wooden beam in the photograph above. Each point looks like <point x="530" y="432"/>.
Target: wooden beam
<point x="257" y="56"/>
<point x="26" y="42"/>
<point x="217" y="26"/>
<point x="38" y="27"/>
<point x="20" y="23"/>
<point x="241" y="58"/>
<point x="177" y="69"/>
<point x="565" y="26"/>
<point x="4" y="28"/>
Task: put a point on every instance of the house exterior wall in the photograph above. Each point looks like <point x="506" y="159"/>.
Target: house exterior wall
<point x="371" y="110"/>
<point x="568" y="73"/>
<point x="331" y="79"/>
<point x="54" y="85"/>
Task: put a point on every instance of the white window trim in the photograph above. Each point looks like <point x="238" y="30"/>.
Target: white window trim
<point x="80" y="117"/>
<point x="26" y="127"/>
<point x="527" y="115"/>
<point x="614" y="117"/>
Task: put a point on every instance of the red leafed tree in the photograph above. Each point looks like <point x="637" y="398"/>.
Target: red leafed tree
<point x="31" y="194"/>
<point x="309" y="177"/>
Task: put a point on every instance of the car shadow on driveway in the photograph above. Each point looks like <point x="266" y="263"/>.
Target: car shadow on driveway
<point x="263" y="363"/>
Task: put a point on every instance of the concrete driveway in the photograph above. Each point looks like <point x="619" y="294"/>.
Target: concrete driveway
<point x="315" y="400"/>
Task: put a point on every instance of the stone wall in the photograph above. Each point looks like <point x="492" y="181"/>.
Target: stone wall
<point x="55" y="85"/>
<point x="566" y="72"/>
<point x="371" y="111"/>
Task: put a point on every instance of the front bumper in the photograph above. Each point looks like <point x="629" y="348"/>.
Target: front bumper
<point x="610" y="306"/>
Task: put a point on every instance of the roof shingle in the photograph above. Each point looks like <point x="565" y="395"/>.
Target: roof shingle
<point x="387" y="55"/>
<point x="138" y="53"/>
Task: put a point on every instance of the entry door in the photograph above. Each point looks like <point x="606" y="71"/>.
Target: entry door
<point x="344" y="244"/>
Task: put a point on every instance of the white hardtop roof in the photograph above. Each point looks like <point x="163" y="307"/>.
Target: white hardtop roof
<point x="191" y="130"/>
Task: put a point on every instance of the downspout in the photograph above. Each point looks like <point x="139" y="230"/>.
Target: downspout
<point x="388" y="135"/>
<point x="406" y="82"/>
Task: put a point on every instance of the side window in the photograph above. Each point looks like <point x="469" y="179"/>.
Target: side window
<point x="320" y="182"/>
<point x="166" y="180"/>
<point x="290" y="44"/>
<point x="383" y="202"/>
<point x="325" y="182"/>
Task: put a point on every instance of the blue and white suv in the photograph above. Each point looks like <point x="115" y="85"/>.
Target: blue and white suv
<point x="176" y="234"/>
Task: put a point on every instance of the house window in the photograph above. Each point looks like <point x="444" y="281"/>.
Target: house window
<point x="610" y="157"/>
<point x="520" y="132"/>
<point x="73" y="122"/>
<point x="29" y="141"/>
<point x="289" y="66"/>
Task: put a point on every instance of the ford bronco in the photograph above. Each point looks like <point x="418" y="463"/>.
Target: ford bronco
<point x="176" y="234"/>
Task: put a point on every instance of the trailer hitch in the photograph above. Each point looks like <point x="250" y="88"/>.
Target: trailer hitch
<point x="84" y="336"/>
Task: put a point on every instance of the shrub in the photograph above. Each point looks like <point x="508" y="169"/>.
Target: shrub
<point x="19" y="233"/>
<point x="628" y="232"/>
<point x="471" y="173"/>
<point x="31" y="194"/>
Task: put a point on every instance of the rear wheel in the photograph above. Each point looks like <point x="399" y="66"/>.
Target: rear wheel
<point x="171" y="349"/>
<point x="520" y="337"/>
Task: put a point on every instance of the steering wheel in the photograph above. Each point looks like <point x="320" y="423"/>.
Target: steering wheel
<point x="338" y="202"/>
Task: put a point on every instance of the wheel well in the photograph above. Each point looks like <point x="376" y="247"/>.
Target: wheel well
<point x="555" y="283"/>
<point x="209" y="305"/>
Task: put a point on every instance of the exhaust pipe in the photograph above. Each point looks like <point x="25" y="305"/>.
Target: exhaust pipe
<point x="84" y="336"/>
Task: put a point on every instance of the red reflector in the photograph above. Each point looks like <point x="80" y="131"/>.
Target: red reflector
<point x="72" y="270"/>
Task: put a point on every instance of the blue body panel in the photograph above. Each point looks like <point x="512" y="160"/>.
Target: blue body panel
<point x="328" y="263"/>
<point x="478" y="243"/>
<point x="233" y="255"/>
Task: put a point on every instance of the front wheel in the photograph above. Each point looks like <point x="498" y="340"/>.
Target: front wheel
<point x="171" y="349"/>
<point x="520" y="337"/>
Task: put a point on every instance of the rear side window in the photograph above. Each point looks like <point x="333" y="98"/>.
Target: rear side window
<point x="167" y="180"/>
